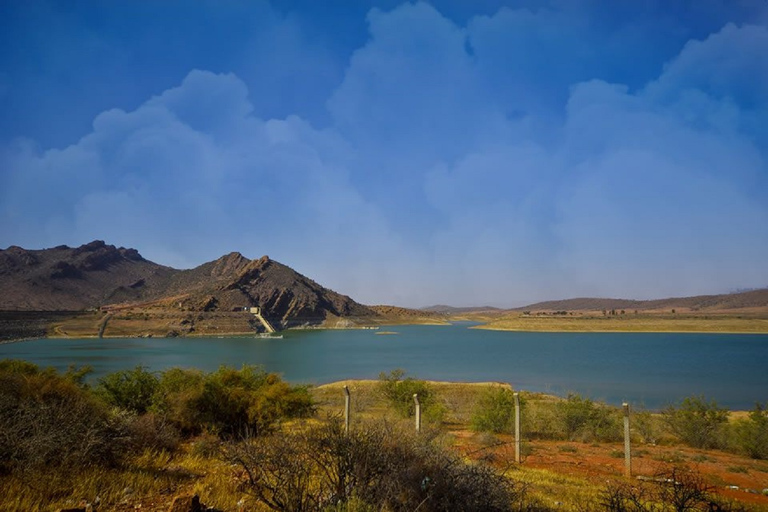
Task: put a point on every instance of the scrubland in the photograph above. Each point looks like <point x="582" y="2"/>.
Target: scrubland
<point x="243" y="439"/>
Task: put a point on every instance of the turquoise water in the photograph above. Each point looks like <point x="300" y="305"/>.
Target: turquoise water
<point x="650" y="369"/>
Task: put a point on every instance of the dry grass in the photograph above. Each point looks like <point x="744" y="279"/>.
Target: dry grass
<point x="555" y="478"/>
<point x="629" y="323"/>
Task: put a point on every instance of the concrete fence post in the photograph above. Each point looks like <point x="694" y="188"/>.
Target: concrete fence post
<point x="346" y="409"/>
<point x="627" y="444"/>
<point x="517" y="427"/>
<point x="418" y="412"/>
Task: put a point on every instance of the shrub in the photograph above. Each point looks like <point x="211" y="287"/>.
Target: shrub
<point x="578" y="418"/>
<point x="150" y="431"/>
<point x="372" y="468"/>
<point x="697" y="422"/>
<point x="176" y="397"/>
<point x="646" y="426"/>
<point x="250" y="399"/>
<point x="228" y="401"/>
<point x="750" y="435"/>
<point x="674" y="488"/>
<point x="131" y="390"/>
<point x="48" y="420"/>
<point x="399" y="392"/>
<point x="495" y="411"/>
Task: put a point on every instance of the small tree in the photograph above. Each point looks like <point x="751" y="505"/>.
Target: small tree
<point x="751" y="434"/>
<point x="495" y="411"/>
<point x="697" y="422"/>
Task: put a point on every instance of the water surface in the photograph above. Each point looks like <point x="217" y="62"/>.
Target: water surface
<point x="650" y="369"/>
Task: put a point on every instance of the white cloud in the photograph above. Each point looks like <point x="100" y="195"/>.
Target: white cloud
<point x="426" y="188"/>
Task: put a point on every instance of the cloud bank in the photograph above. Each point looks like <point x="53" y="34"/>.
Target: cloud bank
<point x="492" y="162"/>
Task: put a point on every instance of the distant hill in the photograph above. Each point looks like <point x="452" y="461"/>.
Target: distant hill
<point x="405" y="313"/>
<point x="451" y="310"/>
<point x="97" y="275"/>
<point x="723" y="302"/>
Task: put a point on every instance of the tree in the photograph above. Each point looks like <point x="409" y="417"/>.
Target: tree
<point x="697" y="422"/>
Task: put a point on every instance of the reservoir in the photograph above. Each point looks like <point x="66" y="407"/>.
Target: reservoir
<point x="645" y="369"/>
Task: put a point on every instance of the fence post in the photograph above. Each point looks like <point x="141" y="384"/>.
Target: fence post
<point x="517" y="427"/>
<point x="346" y="409"/>
<point x="418" y="412"/>
<point x="627" y="447"/>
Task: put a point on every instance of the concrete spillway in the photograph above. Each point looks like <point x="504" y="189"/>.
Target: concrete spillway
<point x="257" y="313"/>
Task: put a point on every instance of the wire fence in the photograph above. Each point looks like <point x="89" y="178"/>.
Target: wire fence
<point x="694" y="422"/>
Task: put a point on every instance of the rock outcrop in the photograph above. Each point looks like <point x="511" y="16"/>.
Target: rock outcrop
<point x="97" y="275"/>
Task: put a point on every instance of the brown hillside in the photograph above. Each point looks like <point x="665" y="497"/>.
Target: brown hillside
<point x="97" y="275"/>
<point x="754" y="299"/>
<point x="68" y="279"/>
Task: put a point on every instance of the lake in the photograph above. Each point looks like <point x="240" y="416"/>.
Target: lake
<point x="648" y="369"/>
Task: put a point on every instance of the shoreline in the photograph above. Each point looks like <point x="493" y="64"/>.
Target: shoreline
<point x="484" y="327"/>
<point x="619" y="331"/>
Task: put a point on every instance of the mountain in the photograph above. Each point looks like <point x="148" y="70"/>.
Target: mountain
<point x="65" y="278"/>
<point x="97" y="275"/>
<point x="452" y="310"/>
<point x="730" y="301"/>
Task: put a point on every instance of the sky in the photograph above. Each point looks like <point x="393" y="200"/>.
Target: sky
<point x="412" y="153"/>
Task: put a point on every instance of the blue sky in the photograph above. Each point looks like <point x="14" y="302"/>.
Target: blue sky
<point x="488" y="152"/>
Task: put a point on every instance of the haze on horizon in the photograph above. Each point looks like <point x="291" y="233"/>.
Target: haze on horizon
<point x="465" y="153"/>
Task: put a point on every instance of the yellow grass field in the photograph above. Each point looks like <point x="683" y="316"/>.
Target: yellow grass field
<point x="629" y="322"/>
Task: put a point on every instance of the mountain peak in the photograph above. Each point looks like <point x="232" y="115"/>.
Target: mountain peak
<point x="229" y="265"/>
<point x="97" y="274"/>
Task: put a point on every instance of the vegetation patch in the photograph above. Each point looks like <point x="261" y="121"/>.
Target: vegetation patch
<point x="245" y="439"/>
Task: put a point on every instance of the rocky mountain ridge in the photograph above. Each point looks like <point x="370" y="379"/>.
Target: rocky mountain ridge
<point x="97" y="275"/>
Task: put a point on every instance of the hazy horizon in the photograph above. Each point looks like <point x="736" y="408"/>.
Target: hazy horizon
<point x="497" y="153"/>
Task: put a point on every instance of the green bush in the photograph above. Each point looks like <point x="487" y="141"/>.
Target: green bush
<point x="697" y="422"/>
<point x="750" y="435"/>
<point x="236" y="400"/>
<point x="131" y="390"/>
<point x="581" y="419"/>
<point x="176" y="397"/>
<point x="228" y="401"/>
<point x="495" y="411"/>
<point x="399" y="392"/>
<point x="647" y="427"/>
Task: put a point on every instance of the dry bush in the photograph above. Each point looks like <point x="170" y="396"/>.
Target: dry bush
<point x="374" y="466"/>
<point x="51" y="421"/>
<point x="150" y="431"/>
<point x="677" y="489"/>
